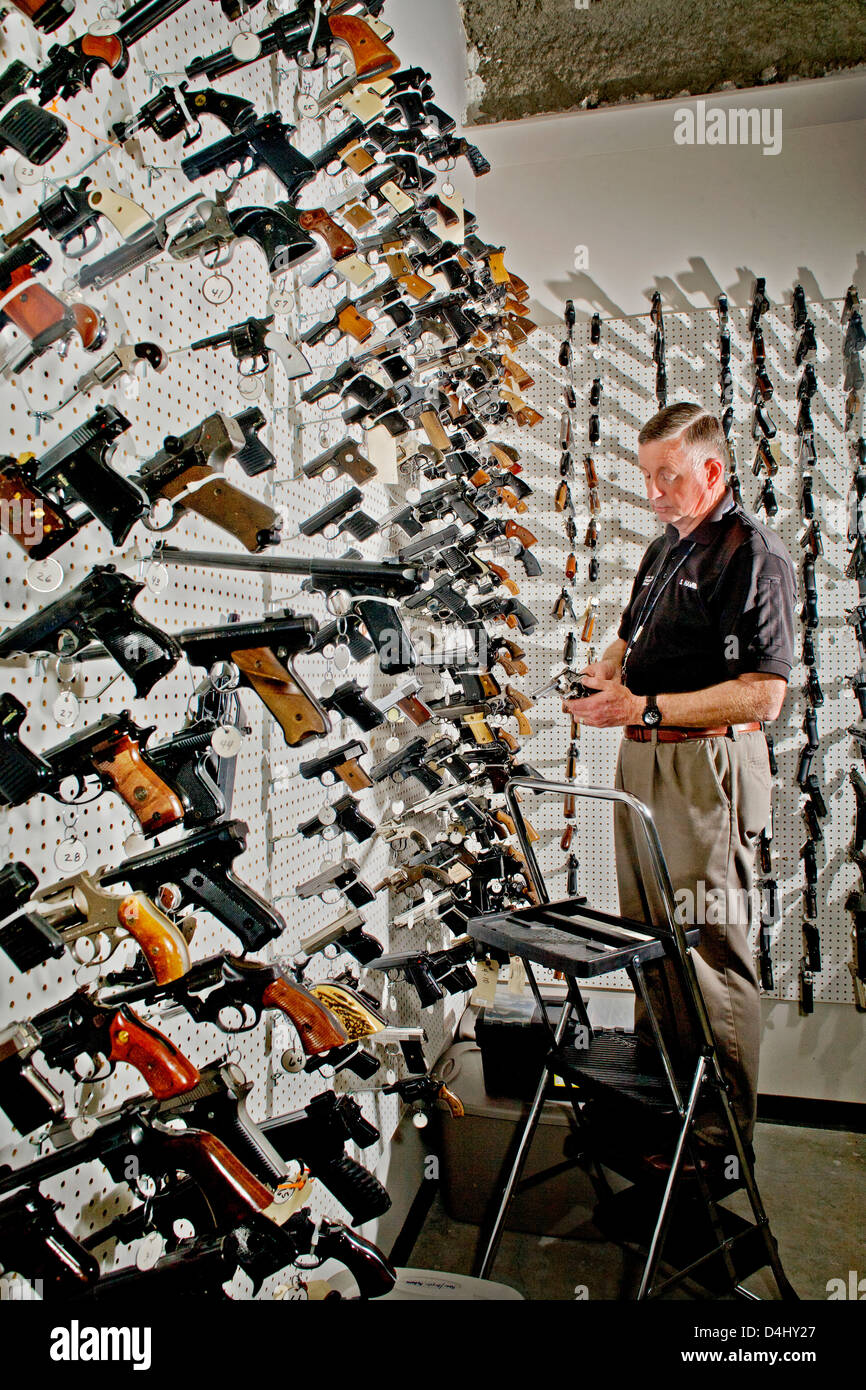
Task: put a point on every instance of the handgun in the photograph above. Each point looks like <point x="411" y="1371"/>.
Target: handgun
<point x="41" y="316"/>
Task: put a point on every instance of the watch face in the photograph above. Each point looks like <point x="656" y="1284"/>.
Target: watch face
<point x="652" y="717"/>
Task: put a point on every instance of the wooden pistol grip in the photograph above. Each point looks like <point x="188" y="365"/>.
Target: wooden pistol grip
<point x="532" y="834"/>
<point x="234" y="511"/>
<point x="163" y="1066"/>
<point x="357" y="159"/>
<point x="434" y="430"/>
<point x="518" y="373"/>
<point x="355" y="325"/>
<point x="232" y="1191"/>
<point x="589" y="470"/>
<point x="415" y="710"/>
<point x="480" y="339"/>
<point x="313" y="1021"/>
<point x="298" y="718"/>
<point x="479" y="478"/>
<point x="353" y="775"/>
<point x="108" y="47"/>
<point x="371" y="57"/>
<point x="160" y="942"/>
<point x="496" y="261"/>
<point x="514" y="531"/>
<point x="454" y="1103"/>
<point x="568" y="833"/>
<point x="416" y="286"/>
<point x="504" y="578"/>
<point x="505" y="459"/>
<point x="504" y="819"/>
<point x="194" y="474"/>
<point x="571" y="566"/>
<point x="45" y="522"/>
<point x="36" y="311"/>
<point x="357" y="216"/>
<point x="152" y="801"/>
<point x="518" y="698"/>
<point x="511" y="500"/>
<point x="336" y="238"/>
<point x="524" y="728"/>
<point x="508" y="739"/>
<point x="520" y="287"/>
<point x="515" y="306"/>
<point x="489" y="684"/>
<point x="561" y="499"/>
<point x="481" y="730"/>
<point x="89" y="325"/>
<point x="588" y="626"/>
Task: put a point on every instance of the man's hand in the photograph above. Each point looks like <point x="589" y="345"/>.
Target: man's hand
<point x="613" y="706"/>
<point x="607" y="670"/>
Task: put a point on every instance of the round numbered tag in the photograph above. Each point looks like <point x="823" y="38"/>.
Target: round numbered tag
<point x="308" y="106"/>
<point x="156" y="579"/>
<point x="70" y="855"/>
<point x="100" y="28"/>
<point x="150" y="1249"/>
<point x="217" y="289"/>
<point x="246" y="46"/>
<point x="327" y="815"/>
<point x="447" y="189"/>
<point x="392" y="745"/>
<point x="226" y="741"/>
<point x="250" y="387"/>
<point x="44" y="575"/>
<point x="419" y="1120"/>
<point x="397" y="809"/>
<point x="394" y="715"/>
<point x="342" y="658"/>
<point x="326" y="689"/>
<point x="160" y="515"/>
<point x="134" y="844"/>
<point x="27" y="173"/>
<point x="65" y="709"/>
<point x="413" y="495"/>
<point x="280" y="301"/>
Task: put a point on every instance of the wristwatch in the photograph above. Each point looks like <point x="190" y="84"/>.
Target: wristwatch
<point x="652" y="715"/>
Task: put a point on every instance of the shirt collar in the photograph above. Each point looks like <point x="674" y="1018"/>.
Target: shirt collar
<point x="703" y="533"/>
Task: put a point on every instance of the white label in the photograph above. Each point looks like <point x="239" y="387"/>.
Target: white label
<point x="134" y="844"/>
<point x="27" y="173"/>
<point x="246" y="47"/>
<point x="156" y="579"/>
<point x="226" y="741"/>
<point x="487" y="975"/>
<point x="392" y="745"/>
<point x="217" y="289"/>
<point x="44" y="575"/>
<point x="342" y="658"/>
<point x="65" y="709"/>
<point x="326" y="689"/>
<point x="70" y="855"/>
<point x="101" y="27"/>
<point x="150" y="1249"/>
<point x="250" y="387"/>
<point x="308" y="105"/>
<point x="280" y="301"/>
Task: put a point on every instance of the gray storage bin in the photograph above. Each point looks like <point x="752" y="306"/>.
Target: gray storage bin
<point x="472" y="1151"/>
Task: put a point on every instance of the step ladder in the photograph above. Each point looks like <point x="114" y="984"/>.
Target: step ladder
<point x="623" y="1092"/>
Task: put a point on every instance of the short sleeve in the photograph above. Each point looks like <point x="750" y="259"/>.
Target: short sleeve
<point x="756" y="619"/>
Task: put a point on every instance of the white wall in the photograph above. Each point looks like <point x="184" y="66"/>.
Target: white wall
<point x="688" y="220"/>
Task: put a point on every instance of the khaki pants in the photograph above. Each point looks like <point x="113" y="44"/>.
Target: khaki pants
<point x="710" y="798"/>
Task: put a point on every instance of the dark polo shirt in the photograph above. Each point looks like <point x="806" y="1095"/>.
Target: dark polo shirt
<point x="727" y="610"/>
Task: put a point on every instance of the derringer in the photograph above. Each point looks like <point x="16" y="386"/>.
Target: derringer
<point x="339" y="763"/>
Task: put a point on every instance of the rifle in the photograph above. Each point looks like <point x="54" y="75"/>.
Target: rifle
<point x="185" y="473"/>
<point x="42" y="317"/>
<point x="69" y="485"/>
<point x="76" y="910"/>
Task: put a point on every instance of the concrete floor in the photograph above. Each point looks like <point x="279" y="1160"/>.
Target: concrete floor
<point x="812" y="1185"/>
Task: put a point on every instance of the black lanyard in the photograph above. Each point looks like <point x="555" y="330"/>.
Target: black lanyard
<point x="651" y="601"/>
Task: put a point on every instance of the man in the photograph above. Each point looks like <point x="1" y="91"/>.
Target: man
<point x="704" y="652"/>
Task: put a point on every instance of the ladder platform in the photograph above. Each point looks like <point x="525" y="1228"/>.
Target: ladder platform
<point x="571" y="937"/>
<point x="617" y="1066"/>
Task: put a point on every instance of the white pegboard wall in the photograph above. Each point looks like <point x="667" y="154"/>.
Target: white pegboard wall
<point x="162" y="303"/>
<point x="623" y="362"/>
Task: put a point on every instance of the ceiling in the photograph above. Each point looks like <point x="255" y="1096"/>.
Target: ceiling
<point x="530" y="57"/>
